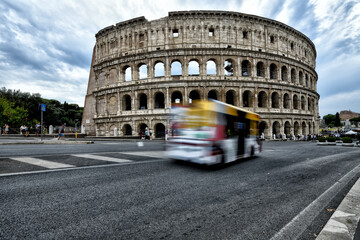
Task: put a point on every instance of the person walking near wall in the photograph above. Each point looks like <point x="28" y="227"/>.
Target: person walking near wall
<point x="61" y="132"/>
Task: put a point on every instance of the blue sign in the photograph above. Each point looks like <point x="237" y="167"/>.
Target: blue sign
<point x="43" y="107"/>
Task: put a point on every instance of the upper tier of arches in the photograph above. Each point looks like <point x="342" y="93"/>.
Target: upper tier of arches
<point x="230" y="67"/>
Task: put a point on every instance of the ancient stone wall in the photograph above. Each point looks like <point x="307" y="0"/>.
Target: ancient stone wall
<point x="141" y="68"/>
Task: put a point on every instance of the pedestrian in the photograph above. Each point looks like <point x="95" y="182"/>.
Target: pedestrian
<point x="166" y="135"/>
<point x="22" y="130"/>
<point x="6" y="128"/>
<point x="147" y="137"/>
<point x="27" y="131"/>
<point x="150" y="132"/>
<point x="61" y="131"/>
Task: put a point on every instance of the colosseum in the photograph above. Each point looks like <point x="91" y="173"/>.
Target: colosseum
<point x="140" y="69"/>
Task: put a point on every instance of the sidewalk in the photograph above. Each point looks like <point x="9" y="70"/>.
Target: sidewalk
<point x="18" y="139"/>
<point x="344" y="223"/>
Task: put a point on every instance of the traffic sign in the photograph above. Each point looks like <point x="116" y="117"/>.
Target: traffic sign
<point x="43" y="107"/>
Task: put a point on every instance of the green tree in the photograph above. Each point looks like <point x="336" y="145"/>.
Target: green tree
<point x="337" y="120"/>
<point x="14" y="116"/>
<point x="330" y="118"/>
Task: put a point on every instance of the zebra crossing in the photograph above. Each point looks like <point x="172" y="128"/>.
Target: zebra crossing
<point x="26" y="164"/>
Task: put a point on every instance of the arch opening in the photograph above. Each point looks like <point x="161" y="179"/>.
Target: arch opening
<point x="159" y="100"/>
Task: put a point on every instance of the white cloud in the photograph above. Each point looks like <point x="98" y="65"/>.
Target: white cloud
<point x="341" y="101"/>
<point x="46" y="45"/>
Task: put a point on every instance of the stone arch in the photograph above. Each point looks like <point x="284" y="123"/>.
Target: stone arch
<point x="159" y="130"/>
<point x="286" y="101"/>
<point x="275" y="100"/>
<point x="127" y="130"/>
<point x="310" y="128"/>
<point x="100" y="106"/>
<point x="287" y="129"/>
<point x="293" y="75"/>
<point x="263" y="127"/>
<point x="143" y="71"/>
<point x="310" y="104"/>
<point x="301" y="78"/>
<point x="284" y="73"/>
<point x="127" y="73"/>
<point x="229" y="67"/>
<point x="159" y="69"/>
<point x="262" y="99"/>
<point x="194" y="67"/>
<point x="303" y="128"/>
<point x="194" y="95"/>
<point x="142" y="127"/>
<point x="102" y="130"/>
<point x="306" y="80"/>
<point x="295" y="102"/>
<point x="303" y="103"/>
<point x="260" y="69"/>
<point x="245" y="68"/>
<point x="176" y="97"/>
<point x="176" y="68"/>
<point x="211" y="67"/>
<point x="113" y="76"/>
<point x="159" y="100"/>
<point x="143" y="101"/>
<point x="247" y="98"/>
<point x="101" y="79"/>
<point x="126" y="102"/>
<point x="213" y="94"/>
<point x="276" y="129"/>
<point x="112" y="104"/>
<point x="231" y="97"/>
<point x="111" y="129"/>
<point x="296" y="129"/>
<point x="273" y="71"/>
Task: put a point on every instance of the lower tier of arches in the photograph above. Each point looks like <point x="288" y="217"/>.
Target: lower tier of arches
<point x="270" y="126"/>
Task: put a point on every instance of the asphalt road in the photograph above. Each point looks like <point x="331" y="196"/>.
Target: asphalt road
<point x="287" y="192"/>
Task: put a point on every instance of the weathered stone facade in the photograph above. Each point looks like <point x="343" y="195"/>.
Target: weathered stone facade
<point x="346" y="115"/>
<point x="140" y="68"/>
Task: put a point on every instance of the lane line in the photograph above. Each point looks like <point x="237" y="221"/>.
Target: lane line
<point x="102" y="158"/>
<point x="155" y="154"/>
<point x="41" y="163"/>
<point x="300" y="222"/>
<point x="80" y="168"/>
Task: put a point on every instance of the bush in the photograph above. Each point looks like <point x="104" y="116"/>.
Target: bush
<point x="338" y="138"/>
<point x="322" y="139"/>
<point x="347" y="140"/>
<point x="331" y="139"/>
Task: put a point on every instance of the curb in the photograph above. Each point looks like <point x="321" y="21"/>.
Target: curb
<point x="344" y="222"/>
<point x="46" y="142"/>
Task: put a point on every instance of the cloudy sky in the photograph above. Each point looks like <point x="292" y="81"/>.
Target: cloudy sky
<point x="46" y="45"/>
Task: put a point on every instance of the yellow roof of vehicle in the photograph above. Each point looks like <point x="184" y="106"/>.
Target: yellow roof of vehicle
<point x="217" y="106"/>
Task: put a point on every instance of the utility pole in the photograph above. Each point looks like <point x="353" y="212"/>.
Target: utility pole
<point x="43" y="109"/>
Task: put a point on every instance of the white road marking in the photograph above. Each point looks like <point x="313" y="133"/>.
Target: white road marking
<point x="155" y="154"/>
<point x="42" y="163"/>
<point x="300" y="222"/>
<point x="80" y="168"/>
<point x="102" y="158"/>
